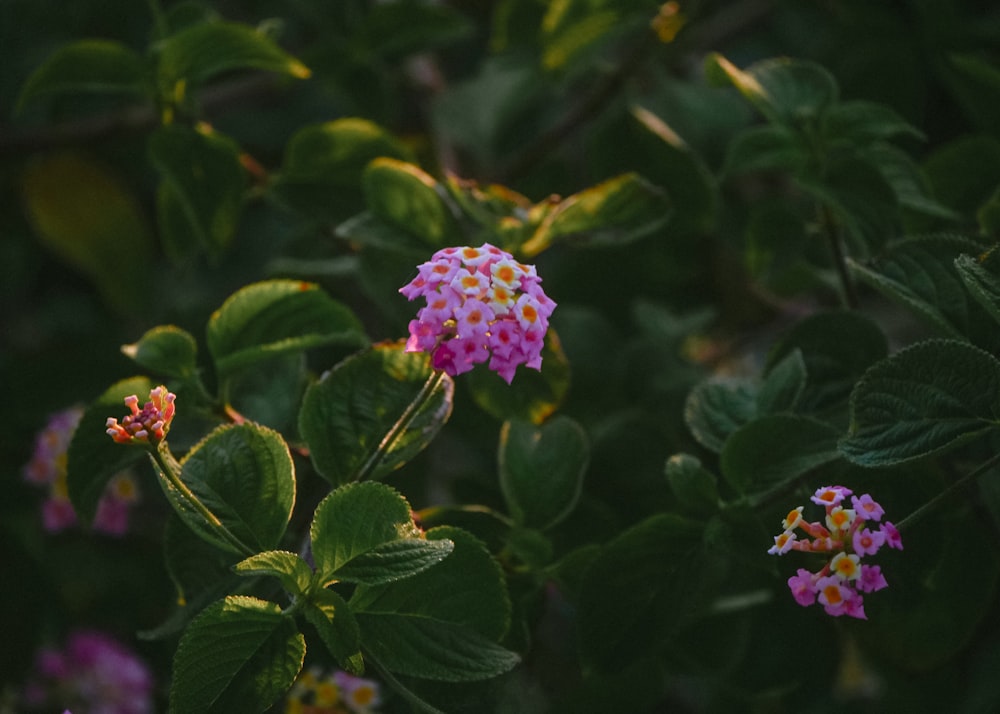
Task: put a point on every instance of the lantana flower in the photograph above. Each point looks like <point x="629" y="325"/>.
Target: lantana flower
<point x="47" y="468"/>
<point x="147" y="425"/>
<point x="480" y="305"/>
<point x="849" y="534"/>
<point x="322" y="692"/>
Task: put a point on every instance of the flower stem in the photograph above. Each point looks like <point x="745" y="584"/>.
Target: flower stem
<point x="170" y="470"/>
<point x="950" y="490"/>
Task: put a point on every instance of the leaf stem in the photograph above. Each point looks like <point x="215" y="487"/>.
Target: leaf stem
<point x="368" y="467"/>
<point x="171" y="469"/>
<point x="949" y="491"/>
<point x="835" y="238"/>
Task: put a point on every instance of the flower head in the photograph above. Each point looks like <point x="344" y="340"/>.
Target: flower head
<point x="846" y="538"/>
<point x="481" y="305"/>
<point x="316" y="691"/>
<point x="147" y="425"/>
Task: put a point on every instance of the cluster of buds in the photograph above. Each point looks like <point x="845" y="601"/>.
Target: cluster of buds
<point x="481" y="305"/>
<point x="848" y="536"/>
<point x="147" y="425"/>
<point x="47" y="468"/>
<point x="337" y="692"/>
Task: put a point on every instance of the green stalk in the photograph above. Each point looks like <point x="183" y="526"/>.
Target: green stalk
<point x="949" y="491"/>
<point x="833" y="234"/>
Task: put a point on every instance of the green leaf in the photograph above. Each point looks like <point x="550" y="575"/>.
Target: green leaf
<point x="276" y="317"/>
<point x="775" y="449"/>
<point x="769" y="147"/>
<point x="640" y="589"/>
<point x="837" y="348"/>
<point x="238" y="655"/>
<point x="716" y="408"/>
<point x="197" y="569"/>
<point x="166" y="350"/>
<point x="988" y="215"/>
<point x="925" y="399"/>
<point x="201" y="193"/>
<point x="920" y="274"/>
<point x="293" y="572"/>
<point x="373" y="412"/>
<point x="200" y="52"/>
<point x="785" y="91"/>
<point x="337" y="627"/>
<point x="443" y="623"/>
<point x="541" y="469"/>
<point x="244" y="475"/>
<point x="617" y="212"/>
<point x="965" y="171"/>
<point x="910" y="185"/>
<point x="364" y="533"/>
<point x="93" y="458"/>
<point x="860" y="123"/>
<point x="783" y="385"/>
<point x="694" y="486"/>
<point x="982" y="281"/>
<point x="408" y="198"/>
<point x="88" y="66"/>
<point x="975" y="82"/>
<point x="323" y="165"/>
<point x="395" y="30"/>
<point x="533" y="395"/>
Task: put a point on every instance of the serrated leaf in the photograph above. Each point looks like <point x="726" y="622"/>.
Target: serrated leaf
<point x="238" y="655"/>
<point x="775" y="449"/>
<point x="982" y="282"/>
<point x="275" y="317"/>
<point x="443" y="623"/>
<point x="783" y="385"/>
<point x="93" y="458"/>
<point x="373" y="412"/>
<point x="541" y="469"/>
<point x="202" y="51"/>
<point x="860" y="123"/>
<point x="293" y="572"/>
<point x="784" y="90"/>
<point x="925" y="399"/>
<point x="166" y="350"/>
<point x="337" y="627"/>
<point x="201" y="194"/>
<point x="694" y="486"/>
<point x="617" y="212"/>
<point x="408" y="198"/>
<point x="911" y="187"/>
<point x="639" y="589"/>
<point x="354" y="521"/>
<point x="88" y="66"/>
<point x="920" y="274"/>
<point x="533" y="395"/>
<point x="770" y="147"/>
<point x="716" y="408"/>
<point x="244" y="475"/>
<point x="395" y="560"/>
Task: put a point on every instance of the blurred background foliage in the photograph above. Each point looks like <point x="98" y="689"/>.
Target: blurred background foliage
<point x="103" y="235"/>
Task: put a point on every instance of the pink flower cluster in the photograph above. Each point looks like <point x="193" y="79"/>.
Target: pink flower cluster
<point x="481" y="305"/>
<point x="319" y="692"/>
<point x="47" y="467"/>
<point x="848" y="535"/>
<point x="148" y="425"/>
<point x="92" y="673"/>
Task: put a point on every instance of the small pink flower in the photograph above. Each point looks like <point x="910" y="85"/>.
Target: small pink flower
<point x="148" y="425"/>
<point x="868" y="542"/>
<point x="803" y="587"/>
<point x="867" y="508"/>
<point x="782" y="543"/>
<point x="830" y="495"/>
<point x="833" y="595"/>
<point x="871" y="579"/>
<point x="892" y="538"/>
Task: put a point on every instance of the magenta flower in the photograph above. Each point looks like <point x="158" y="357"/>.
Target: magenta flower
<point x="481" y="305"/>
<point x="148" y="425"/>
<point x="845" y="539"/>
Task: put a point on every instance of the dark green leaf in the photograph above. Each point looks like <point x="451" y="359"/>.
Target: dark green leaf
<point x="714" y="409"/>
<point x="410" y="199"/>
<point x="777" y="448"/>
<point x="395" y="560"/>
<point x="201" y="195"/>
<point x="928" y="398"/>
<point x="964" y="172"/>
<point x="976" y="83"/>
<point x="93" y="458"/>
<point x="982" y="281"/>
<point x="293" y="572"/>
<point x="238" y="655"/>
<point x="541" y="469"/>
<point x="337" y="627"/>
<point x="396" y="29"/>
<point x="200" y="52"/>
<point x="911" y="187"/>
<point x="771" y="147"/>
<point x="88" y="66"/>
<point x="861" y="123"/>
<point x="275" y="317"/>
<point x="533" y="395"/>
<point x="245" y="476"/>
<point x="197" y="569"/>
<point x="694" y="486"/>
<point x="988" y="215"/>
<point x="166" y="350"/>
<point x="783" y="385"/>
<point x="373" y="412"/>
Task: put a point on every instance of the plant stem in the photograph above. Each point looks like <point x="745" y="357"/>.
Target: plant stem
<point x="947" y="492"/>
<point x="170" y="468"/>
<point x="159" y="18"/>
<point x="833" y="235"/>
<point x="432" y="382"/>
